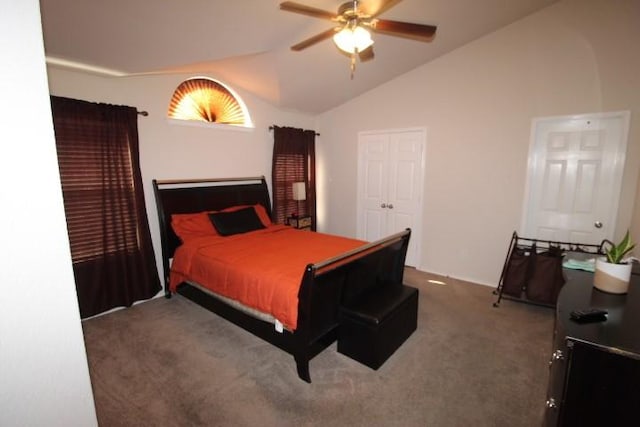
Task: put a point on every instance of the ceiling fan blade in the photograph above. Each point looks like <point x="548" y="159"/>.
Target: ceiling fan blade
<point x="420" y="32"/>
<point x="313" y="40"/>
<point x="294" y="7"/>
<point x="367" y="54"/>
<point x="374" y="8"/>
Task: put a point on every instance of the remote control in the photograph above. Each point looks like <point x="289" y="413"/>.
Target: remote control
<point x="589" y="315"/>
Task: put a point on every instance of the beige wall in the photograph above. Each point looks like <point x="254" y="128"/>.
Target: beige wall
<point x="170" y="151"/>
<point x="618" y="58"/>
<point x="477" y="104"/>
<point x="44" y="376"/>
<point x="635" y="223"/>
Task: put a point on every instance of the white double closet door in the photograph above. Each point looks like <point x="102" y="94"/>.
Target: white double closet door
<point x="390" y="185"/>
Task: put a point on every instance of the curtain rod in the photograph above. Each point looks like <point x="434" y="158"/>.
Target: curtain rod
<point x="271" y="128"/>
<point x="143" y="113"/>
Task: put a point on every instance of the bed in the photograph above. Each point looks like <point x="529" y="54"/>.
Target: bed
<point x="339" y="275"/>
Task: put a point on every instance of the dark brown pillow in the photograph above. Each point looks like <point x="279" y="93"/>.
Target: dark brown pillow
<point x="236" y="222"/>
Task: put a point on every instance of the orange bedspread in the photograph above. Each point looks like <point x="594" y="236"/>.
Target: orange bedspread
<point x="262" y="269"/>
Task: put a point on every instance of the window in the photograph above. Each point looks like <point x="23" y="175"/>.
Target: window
<point x="293" y="161"/>
<point x="202" y="99"/>
<point x="98" y="224"/>
<point x="288" y="169"/>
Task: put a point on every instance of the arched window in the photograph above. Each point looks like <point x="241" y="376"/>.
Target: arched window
<point x="206" y="100"/>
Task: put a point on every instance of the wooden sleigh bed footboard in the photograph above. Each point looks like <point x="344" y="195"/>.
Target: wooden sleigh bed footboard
<point x="342" y="279"/>
<point x="324" y="287"/>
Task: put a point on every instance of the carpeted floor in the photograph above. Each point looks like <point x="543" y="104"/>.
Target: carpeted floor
<point x="171" y="363"/>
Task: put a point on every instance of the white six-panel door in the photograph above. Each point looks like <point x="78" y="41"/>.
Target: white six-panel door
<point x="390" y="183"/>
<point x="575" y="176"/>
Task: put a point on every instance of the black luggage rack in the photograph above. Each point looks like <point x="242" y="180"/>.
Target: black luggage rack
<point x="532" y="271"/>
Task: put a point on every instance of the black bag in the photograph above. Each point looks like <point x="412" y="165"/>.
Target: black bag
<point x="546" y="278"/>
<point x="518" y="271"/>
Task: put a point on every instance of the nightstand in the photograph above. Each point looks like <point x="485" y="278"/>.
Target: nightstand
<point x="300" y="222"/>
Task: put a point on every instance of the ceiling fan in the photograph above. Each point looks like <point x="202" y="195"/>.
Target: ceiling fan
<point x="354" y="23"/>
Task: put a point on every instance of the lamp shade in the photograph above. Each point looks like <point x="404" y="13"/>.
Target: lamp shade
<point x="299" y="192"/>
<point x="352" y="39"/>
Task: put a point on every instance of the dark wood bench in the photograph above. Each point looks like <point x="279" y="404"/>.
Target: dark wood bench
<point x="373" y="327"/>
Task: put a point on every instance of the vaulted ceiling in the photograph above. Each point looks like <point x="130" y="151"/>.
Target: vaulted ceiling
<point x="246" y="43"/>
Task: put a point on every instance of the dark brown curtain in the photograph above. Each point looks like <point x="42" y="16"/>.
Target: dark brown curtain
<point x="113" y="260"/>
<point x="294" y="160"/>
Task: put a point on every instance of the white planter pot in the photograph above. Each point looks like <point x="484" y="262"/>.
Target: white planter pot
<point x="612" y="278"/>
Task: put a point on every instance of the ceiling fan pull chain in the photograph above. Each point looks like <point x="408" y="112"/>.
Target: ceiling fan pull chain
<point x="353" y="63"/>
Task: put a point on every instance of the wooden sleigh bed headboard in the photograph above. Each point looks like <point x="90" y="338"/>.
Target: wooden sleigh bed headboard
<point x="199" y="195"/>
<point x="324" y="286"/>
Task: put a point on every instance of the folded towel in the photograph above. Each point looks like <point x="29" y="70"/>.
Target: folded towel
<point x="586" y="265"/>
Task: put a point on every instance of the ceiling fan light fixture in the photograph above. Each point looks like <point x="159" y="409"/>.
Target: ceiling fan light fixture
<point x="353" y="40"/>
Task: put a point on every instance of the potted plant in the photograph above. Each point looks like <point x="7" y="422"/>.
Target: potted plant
<point x="612" y="272"/>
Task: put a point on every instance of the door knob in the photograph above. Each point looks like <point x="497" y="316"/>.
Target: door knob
<point x="598" y="224"/>
<point x="551" y="403"/>
<point x="384" y="205"/>
<point x="390" y="206"/>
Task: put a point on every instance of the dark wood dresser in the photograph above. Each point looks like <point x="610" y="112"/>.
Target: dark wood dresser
<point x="594" y="377"/>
